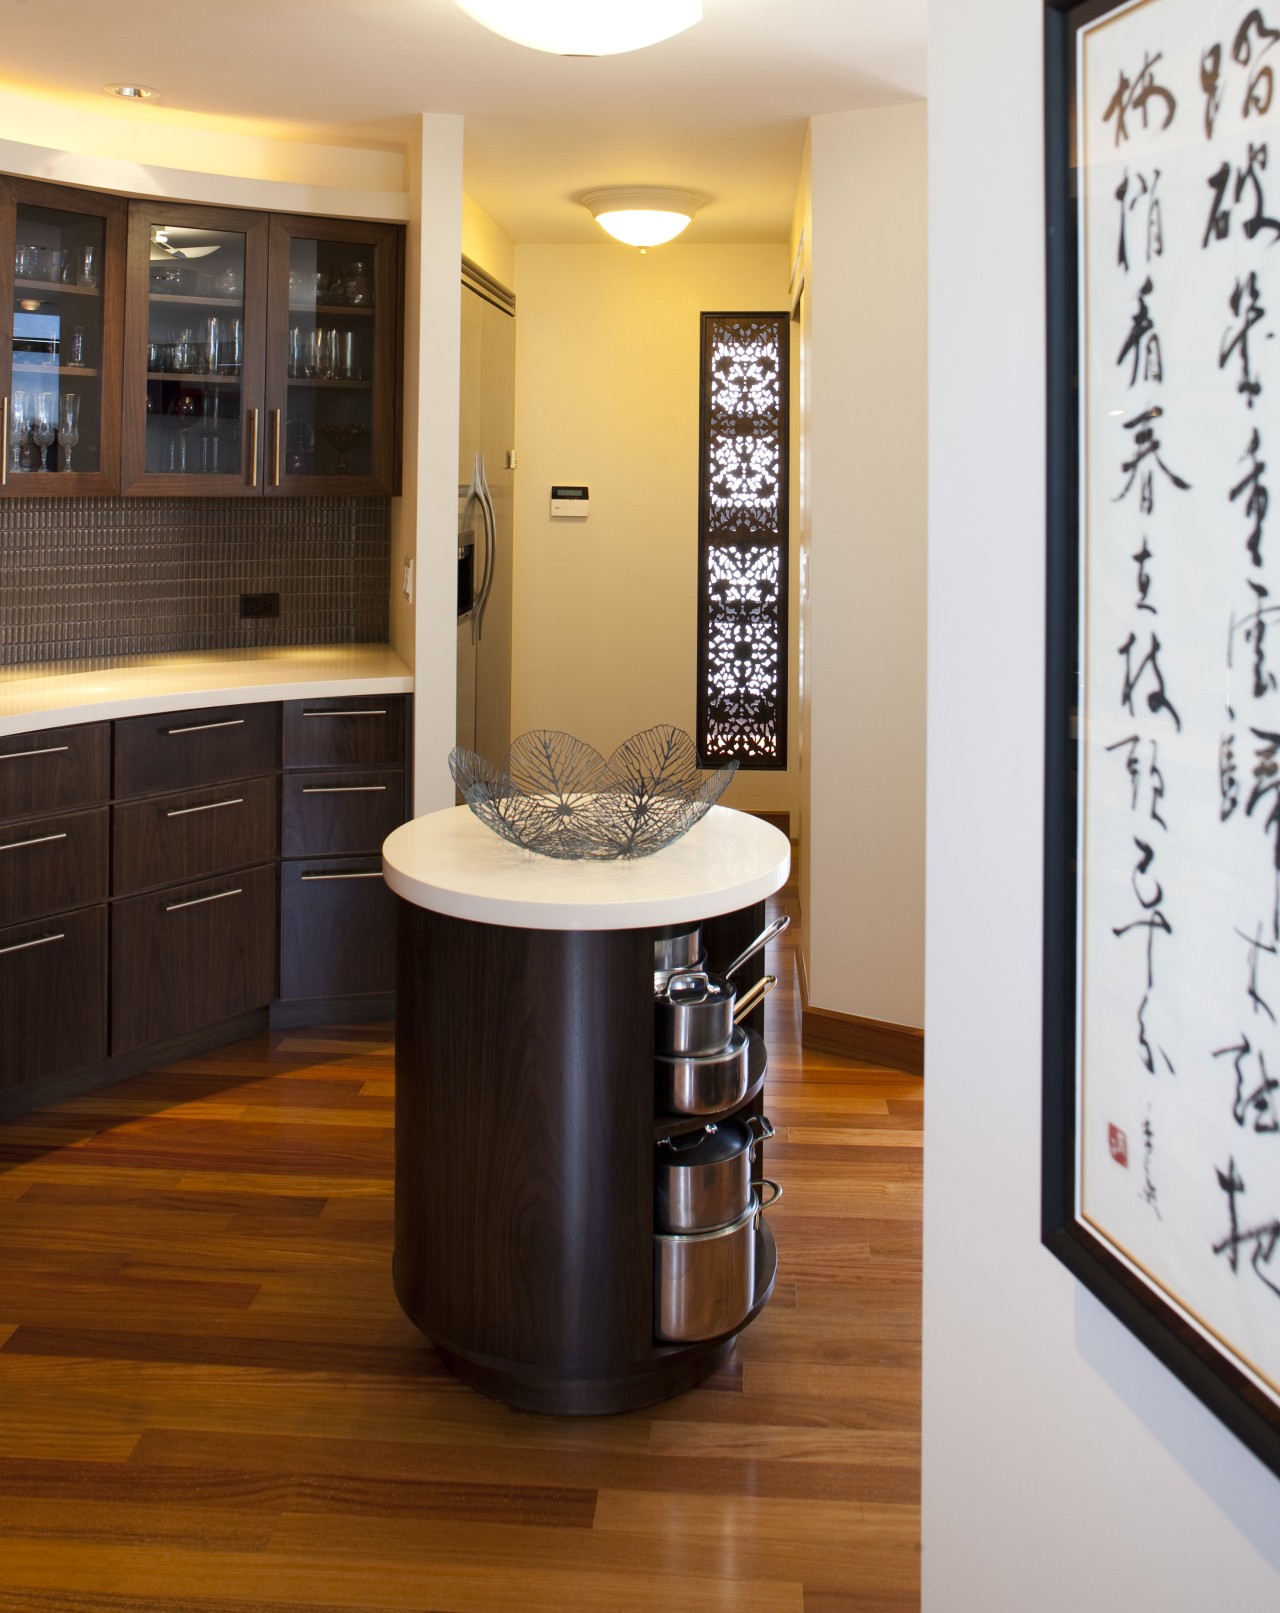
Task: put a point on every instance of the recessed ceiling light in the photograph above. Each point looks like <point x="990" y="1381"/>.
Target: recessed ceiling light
<point x="129" y="92"/>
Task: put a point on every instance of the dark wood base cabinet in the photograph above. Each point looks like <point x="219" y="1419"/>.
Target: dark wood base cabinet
<point x="141" y="884"/>
<point x="525" y="1125"/>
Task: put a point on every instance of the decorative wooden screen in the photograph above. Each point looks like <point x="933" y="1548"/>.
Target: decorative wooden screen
<point x="742" y="540"/>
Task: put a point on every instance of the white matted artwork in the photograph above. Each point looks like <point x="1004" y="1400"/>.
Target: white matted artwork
<point x="1163" y="866"/>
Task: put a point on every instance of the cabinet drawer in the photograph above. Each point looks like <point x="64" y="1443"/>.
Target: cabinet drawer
<point x="178" y="750"/>
<point x="338" y="814"/>
<point x="48" y="864"/>
<point x="53" y="996"/>
<point x="191" y="955"/>
<point x="337" y="928"/>
<point x="354" y="731"/>
<point x="61" y="767"/>
<point x="167" y="838"/>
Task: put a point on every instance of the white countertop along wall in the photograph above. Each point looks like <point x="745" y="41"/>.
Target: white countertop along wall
<point x="56" y="694"/>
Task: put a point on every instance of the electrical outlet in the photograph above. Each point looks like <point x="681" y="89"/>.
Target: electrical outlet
<point x="259" y="605"/>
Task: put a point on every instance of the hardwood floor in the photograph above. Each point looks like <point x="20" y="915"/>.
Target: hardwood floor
<point x="210" y="1401"/>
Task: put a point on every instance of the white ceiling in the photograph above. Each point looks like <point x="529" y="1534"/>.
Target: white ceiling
<point x="719" y="109"/>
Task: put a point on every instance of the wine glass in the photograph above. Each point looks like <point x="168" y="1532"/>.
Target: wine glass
<point x="68" y="426"/>
<point x="44" y="427"/>
<point x="342" y="439"/>
<point x="21" y="432"/>
<point x="186" y="407"/>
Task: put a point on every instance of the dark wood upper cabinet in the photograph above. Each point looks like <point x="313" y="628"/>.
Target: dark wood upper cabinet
<point x="195" y="350"/>
<point x="204" y="350"/>
<point x="62" y="258"/>
<point x="332" y="337"/>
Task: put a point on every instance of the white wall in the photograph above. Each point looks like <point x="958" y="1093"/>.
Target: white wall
<point x="1064" y="1468"/>
<point x="864" y="530"/>
<point x="607" y="366"/>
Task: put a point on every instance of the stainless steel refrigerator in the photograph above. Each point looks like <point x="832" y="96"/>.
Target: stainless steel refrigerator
<point x="485" y="476"/>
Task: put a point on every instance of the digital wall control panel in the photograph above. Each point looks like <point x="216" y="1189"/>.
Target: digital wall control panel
<point x="570" y="503"/>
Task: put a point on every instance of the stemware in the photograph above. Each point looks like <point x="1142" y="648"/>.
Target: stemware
<point x="68" y="426"/>
<point x="44" y="427"/>
<point x="186" y="407"/>
<point x="20" y="434"/>
<point x="342" y="439"/>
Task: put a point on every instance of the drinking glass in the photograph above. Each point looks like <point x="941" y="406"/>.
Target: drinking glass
<point x="20" y="430"/>
<point x="87" y="266"/>
<point x="68" y="426"/>
<point x="75" y="347"/>
<point x="44" y="427"/>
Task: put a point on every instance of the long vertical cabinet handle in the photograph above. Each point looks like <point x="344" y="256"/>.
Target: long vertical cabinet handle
<point x="491" y="545"/>
<point x="4" y="447"/>
<point x="253" y="448"/>
<point x="275" y="447"/>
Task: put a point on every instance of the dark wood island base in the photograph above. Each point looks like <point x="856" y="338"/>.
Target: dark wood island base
<point x="524" y="1159"/>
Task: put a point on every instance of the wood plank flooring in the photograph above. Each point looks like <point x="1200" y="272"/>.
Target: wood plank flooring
<point x="211" y="1403"/>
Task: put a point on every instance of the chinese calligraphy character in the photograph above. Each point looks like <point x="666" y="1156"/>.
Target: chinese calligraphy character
<point x="1136" y="95"/>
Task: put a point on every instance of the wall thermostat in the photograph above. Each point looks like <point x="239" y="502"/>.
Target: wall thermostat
<point x="569" y="504"/>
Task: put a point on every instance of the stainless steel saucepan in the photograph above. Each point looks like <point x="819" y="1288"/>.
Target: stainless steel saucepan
<point x="702" y="1083"/>
<point x="694" y="1011"/>
<point x="702" y="1179"/>
<point x="704" y="1282"/>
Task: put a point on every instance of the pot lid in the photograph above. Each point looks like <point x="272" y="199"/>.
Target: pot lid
<point x="714" y="1144"/>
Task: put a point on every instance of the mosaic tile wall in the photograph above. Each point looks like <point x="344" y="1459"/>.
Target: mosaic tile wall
<point x="100" y="577"/>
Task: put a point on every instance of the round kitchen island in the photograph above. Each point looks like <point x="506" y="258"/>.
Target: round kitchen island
<point x="525" y="1123"/>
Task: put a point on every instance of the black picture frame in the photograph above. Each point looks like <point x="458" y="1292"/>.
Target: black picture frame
<point x="1204" y="1368"/>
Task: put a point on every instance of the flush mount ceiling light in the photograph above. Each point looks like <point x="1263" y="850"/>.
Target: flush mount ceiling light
<point x="584" y="27"/>
<point x="130" y="92"/>
<point x="642" y="216"/>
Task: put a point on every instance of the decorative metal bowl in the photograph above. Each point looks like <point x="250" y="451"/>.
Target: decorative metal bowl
<point x="558" y="796"/>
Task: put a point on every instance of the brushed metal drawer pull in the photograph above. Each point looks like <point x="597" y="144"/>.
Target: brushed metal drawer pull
<point x="43" y="840"/>
<point x="49" y="750"/>
<point x="344" y="789"/>
<point x="377" y="874"/>
<point x="204" y="727"/>
<point x="199" y="901"/>
<point x="40" y="941"/>
<point x="344" y="713"/>
<point x="209" y="806"/>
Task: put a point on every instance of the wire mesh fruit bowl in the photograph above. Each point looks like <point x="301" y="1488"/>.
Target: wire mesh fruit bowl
<point x="558" y="796"/>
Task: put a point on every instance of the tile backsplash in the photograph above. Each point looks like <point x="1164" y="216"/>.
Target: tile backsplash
<point x="91" y="577"/>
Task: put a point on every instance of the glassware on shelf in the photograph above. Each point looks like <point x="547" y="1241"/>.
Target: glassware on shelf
<point x="74" y="354"/>
<point x="342" y="438"/>
<point x="44" y="426"/>
<point x="186" y="406"/>
<point x="357" y="288"/>
<point x="295" y="350"/>
<point x="87" y="266"/>
<point x="19" y="430"/>
<point x="68" y="426"/>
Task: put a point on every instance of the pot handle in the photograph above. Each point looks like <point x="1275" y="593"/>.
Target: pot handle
<point x="692" y="986"/>
<point x="768" y="1204"/>
<point x="765" y="1132"/>
<point x="776" y="928"/>
<point x="752" y="996"/>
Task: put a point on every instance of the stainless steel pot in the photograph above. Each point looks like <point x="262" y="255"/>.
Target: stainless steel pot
<point x="694" y="1009"/>
<point x="702" y="1179"/>
<point x="704" y="1282"/>
<point x="703" y="1083"/>
<point x="675" y="951"/>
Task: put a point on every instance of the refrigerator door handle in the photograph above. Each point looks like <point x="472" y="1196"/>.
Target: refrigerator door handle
<point x="485" y="498"/>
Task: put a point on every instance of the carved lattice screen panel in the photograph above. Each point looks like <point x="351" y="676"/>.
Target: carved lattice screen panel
<point x="742" y="540"/>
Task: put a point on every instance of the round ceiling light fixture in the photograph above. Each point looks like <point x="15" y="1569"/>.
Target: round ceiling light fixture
<point x="640" y="215"/>
<point x="130" y="92"/>
<point x="584" y="27"/>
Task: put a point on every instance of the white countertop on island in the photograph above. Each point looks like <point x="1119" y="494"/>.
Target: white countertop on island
<point x="52" y="695"/>
<point x="450" y="863"/>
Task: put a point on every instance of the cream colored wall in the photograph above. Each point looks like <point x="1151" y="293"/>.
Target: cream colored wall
<point x="487" y="244"/>
<point x="146" y="151"/>
<point x="865" y="450"/>
<point x="607" y="390"/>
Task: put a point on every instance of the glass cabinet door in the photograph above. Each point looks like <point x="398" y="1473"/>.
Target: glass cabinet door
<point x="330" y="364"/>
<point x="193" y="369"/>
<point x="64" y="304"/>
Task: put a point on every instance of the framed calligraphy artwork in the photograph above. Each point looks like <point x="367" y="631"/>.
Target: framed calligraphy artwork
<point x="1162" y="827"/>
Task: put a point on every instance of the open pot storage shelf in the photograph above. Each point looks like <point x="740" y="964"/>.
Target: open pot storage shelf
<point x="525" y="1131"/>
